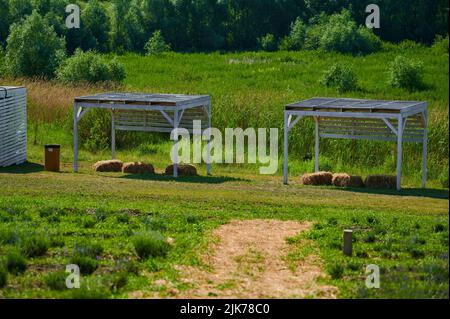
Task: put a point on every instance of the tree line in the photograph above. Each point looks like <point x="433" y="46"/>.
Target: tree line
<point x="209" y="25"/>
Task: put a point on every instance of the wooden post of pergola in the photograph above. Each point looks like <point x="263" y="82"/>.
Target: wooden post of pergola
<point x="396" y="121"/>
<point x="146" y="113"/>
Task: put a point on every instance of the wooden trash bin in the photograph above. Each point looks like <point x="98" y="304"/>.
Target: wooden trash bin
<point x="52" y="158"/>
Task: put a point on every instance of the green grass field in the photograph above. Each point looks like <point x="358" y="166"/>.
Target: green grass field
<point x="53" y="219"/>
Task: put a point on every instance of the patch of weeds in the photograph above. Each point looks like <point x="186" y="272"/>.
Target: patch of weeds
<point x="88" y="222"/>
<point x="438" y="228"/>
<point x="123" y="218"/>
<point x="362" y="254"/>
<point x="372" y="220"/>
<point x="150" y="244"/>
<point x="86" y="249"/>
<point x="336" y="271"/>
<point x="57" y="241"/>
<point x="418" y="240"/>
<point x="117" y="281"/>
<point x="335" y="245"/>
<point x="101" y="215"/>
<point x="56" y="280"/>
<point x="416" y="253"/>
<point x="332" y="221"/>
<point x="370" y="237"/>
<point x="154" y="223"/>
<point x="318" y="226"/>
<point x="354" y="266"/>
<point x="153" y="265"/>
<point x="8" y="236"/>
<point x="5" y="217"/>
<point x="3" y="277"/>
<point x="35" y="246"/>
<point x="90" y="290"/>
<point x="87" y="264"/>
<point x="129" y="266"/>
<point x="16" y="263"/>
<point x="192" y="219"/>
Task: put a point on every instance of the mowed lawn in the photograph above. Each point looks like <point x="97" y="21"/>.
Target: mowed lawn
<point x="101" y="215"/>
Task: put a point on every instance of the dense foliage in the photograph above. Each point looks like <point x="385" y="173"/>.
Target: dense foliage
<point x="88" y="67"/>
<point x="204" y="25"/>
<point x="33" y="48"/>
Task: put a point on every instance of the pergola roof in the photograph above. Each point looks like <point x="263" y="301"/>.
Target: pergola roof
<point x="353" y="105"/>
<point x="143" y="99"/>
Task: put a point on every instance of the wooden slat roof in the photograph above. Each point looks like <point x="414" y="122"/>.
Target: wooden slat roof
<point x="142" y="98"/>
<point x="352" y="105"/>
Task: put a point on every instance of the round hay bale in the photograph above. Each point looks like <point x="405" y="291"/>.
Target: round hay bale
<point x="183" y="170"/>
<point x="138" y="168"/>
<point x="108" y="166"/>
<point x="381" y="181"/>
<point x="346" y="180"/>
<point x="317" y="179"/>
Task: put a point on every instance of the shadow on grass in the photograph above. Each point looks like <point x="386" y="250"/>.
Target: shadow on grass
<point x="184" y="179"/>
<point x="26" y="168"/>
<point x="418" y="192"/>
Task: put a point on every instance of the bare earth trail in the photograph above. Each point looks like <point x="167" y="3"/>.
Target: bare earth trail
<point x="248" y="261"/>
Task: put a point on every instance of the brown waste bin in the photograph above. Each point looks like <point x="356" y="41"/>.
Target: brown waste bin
<point x="52" y="154"/>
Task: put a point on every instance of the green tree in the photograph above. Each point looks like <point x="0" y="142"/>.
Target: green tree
<point x="33" y="48"/>
<point x="156" y="44"/>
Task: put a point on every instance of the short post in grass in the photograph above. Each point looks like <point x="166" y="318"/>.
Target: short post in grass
<point x="348" y="249"/>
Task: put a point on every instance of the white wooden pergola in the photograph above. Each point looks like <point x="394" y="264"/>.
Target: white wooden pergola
<point x="343" y="118"/>
<point x="145" y="113"/>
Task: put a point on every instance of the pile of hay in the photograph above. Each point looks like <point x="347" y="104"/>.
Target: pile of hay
<point x="108" y="166"/>
<point x="317" y="179"/>
<point x="346" y="180"/>
<point x="381" y="181"/>
<point x="183" y="170"/>
<point x="138" y="168"/>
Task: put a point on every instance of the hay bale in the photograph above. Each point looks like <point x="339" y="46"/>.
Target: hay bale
<point x="138" y="168"/>
<point x="183" y="170"/>
<point x="381" y="181"/>
<point x="317" y="179"/>
<point x="108" y="166"/>
<point x="346" y="180"/>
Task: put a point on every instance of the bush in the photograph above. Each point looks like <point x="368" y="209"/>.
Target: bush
<point x="441" y="44"/>
<point x="56" y="280"/>
<point x="150" y="244"/>
<point x="33" y="48"/>
<point x="341" y="77"/>
<point x="16" y="263"/>
<point x="89" y="67"/>
<point x="35" y="246"/>
<point x="297" y="35"/>
<point x="342" y="34"/>
<point x="336" y="271"/>
<point x="3" y="277"/>
<point x="87" y="264"/>
<point x="405" y="73"/>
<point x="156" y="44"/>
<point x="268" y="43"/>
<point x="92" y="250"/>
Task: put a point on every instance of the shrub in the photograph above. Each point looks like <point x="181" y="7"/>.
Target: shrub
<point x="8" y="236"/>
<point x="341" y="34"/>
<point x="441" y="44"/>
<point x="89" y="67"/>
<point x="150" y="244"/>
<point x="35" y="246"/>
<point x="3" y="277"/>
<point x="336" y="271"/>
<point x="33" y="48"/>
<point x="405" y="73"/>
<point x="86" y="249"/>
<point x="56" y="280"/>
<point x="268" y="42"/>
<point x="16" y="263"/>
<point x="341" y="77"/>
<point x="156" y="44"/>
<point x="87" y="264"/>
<point x="297" y="35"/>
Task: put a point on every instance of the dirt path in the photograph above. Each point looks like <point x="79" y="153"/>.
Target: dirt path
<point x="248" y="261"/>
